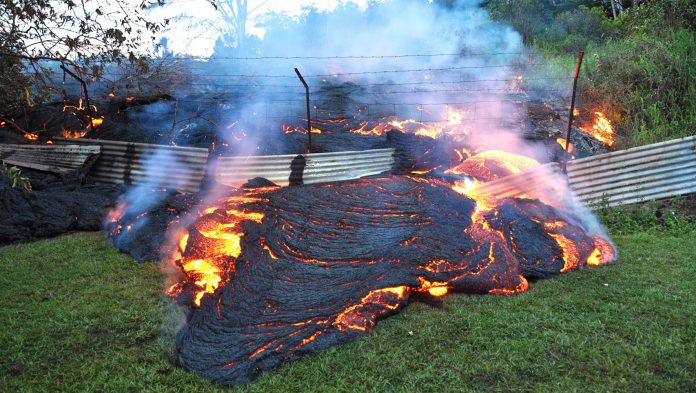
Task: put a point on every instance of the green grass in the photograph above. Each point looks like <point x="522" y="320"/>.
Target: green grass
<point x="78" y="316"/>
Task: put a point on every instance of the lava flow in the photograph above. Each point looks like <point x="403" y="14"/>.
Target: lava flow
<point x="274" y="273"/>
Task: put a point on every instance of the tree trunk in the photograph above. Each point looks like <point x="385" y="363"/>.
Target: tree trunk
<point x="613" y="9"/>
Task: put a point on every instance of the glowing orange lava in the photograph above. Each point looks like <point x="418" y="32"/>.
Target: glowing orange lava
<point x="353" y="319"/>
<point x="562" y="143"/>
<point x="288" y="129"/>
<point x="72" y="134"/>
<point x="219" y="227"/>
<point x="493" y="164"/>
<point x="434" y="288"/>
<point x="97" y="121"/>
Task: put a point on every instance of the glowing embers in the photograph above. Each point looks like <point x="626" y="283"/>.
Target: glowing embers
<point x="73" y="134"/>
<point x="454" y="125"/>
<point x="288" y="129"/>
<point x="30" y="136"/>
<point x="452" y="122"/>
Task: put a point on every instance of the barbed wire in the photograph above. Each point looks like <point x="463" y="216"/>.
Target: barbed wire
<point x="339" y="87"/>
<point x="335" y="74"/>
<point x="398" y="56"/>
<point x="415" y="92"/>
<point x="358" y="103"/>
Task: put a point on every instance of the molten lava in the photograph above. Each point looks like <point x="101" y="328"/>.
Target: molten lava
<point x="271" y="274"/>
<point x="562" y="142"/>
<point x="493" y="164"/>
<point x="72" y="134"/>
<point x="275" y="273"/>
<point x="219" y="230"/>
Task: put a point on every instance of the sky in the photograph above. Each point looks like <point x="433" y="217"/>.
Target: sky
<point x="196" y="36"/>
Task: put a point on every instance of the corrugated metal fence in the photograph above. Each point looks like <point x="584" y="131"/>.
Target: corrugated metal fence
<point x="140" y="163"/>
<point x="639" y="174"/>
<point x="623" y="177"/>
<point x="314" y="168"/>
<point x="51" y="158"/>
<point x="628" y="176"/>
<point x="183" y="168"/>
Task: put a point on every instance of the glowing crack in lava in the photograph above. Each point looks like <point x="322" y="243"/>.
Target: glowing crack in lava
<point x="276" y="273"/>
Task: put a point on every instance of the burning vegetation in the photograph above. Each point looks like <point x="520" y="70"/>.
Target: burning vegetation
<point x="601" y="129"/>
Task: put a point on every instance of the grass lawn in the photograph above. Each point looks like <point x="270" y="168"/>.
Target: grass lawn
<point x="77" y="316"/>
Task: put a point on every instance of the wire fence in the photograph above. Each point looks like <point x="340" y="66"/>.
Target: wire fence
<point x="491" y="92"/>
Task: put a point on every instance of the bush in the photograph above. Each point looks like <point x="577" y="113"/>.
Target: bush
<point x="15" y="85"/>
<point x="671" y="217"/>
<point x="656" y="16"/>
<point x="648" y="80"/>
<point x="572" y="31"/>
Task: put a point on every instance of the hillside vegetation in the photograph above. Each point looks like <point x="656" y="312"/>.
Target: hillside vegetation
<point x="639" y="68"/>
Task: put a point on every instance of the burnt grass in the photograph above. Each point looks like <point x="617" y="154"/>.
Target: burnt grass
<point x="80" y="316"/>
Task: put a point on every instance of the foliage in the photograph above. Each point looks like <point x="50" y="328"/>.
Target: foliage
<point x="64" y="29"/>
<point x="79" y="316"/>
<point x="532" y="18"/>
<point x="15" y="176"/>
<point x="639" y="69"/>
<point x="647" y="79"/>
<point x="659" y="16"/>
<point x="14" y="83"/>
<point x="528" y="17"/>
<point x="572" y="31"/>
<point x="82" y="35"/>
<point x="667" y="217"/>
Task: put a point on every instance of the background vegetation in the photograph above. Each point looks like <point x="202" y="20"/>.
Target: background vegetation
<point x="639" y="68"/>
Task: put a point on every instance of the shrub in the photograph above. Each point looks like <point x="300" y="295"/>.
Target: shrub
<point x="666" y="217"/>
<point x="15" y="176"/>
<point x="15" y="85"/>
<point x="648" y="80"/>
<point x="572" y="31"/>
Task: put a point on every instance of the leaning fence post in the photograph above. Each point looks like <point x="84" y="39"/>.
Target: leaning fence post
<point x="309" y="122"/>
<point x="572" y="109"/>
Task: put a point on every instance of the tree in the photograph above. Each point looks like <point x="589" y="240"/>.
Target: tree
<point x="229" y="22"/>
<point x="82" y="35"/>
<point x="235" y="14"/>
<point x="528" y="17"/>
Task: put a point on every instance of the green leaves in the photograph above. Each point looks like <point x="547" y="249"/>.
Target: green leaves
<point x="15" y="175"/>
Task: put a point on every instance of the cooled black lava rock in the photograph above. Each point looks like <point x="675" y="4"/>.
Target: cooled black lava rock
<point x="55" y="206"/>
<point x="141" y="232"/>
<point x="320" y="264"/>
